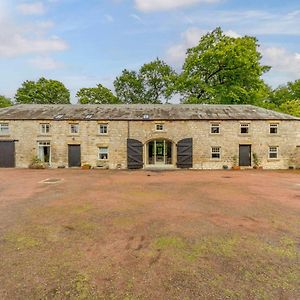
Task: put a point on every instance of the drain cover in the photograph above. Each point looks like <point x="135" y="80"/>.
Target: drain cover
<point x="51" y="180"/>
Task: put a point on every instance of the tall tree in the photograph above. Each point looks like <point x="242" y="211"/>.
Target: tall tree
<point x="97" y="95"/>
<point x="43" y="91"/>
<point x="129" y="88"/>
<point x="4" y="101"/>
<point x="222" y="69"/>
<point x="157" y="78"/>
<point x="151" y="84"/>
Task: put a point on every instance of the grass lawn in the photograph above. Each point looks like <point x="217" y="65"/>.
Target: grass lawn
<point x="149" y="235"/>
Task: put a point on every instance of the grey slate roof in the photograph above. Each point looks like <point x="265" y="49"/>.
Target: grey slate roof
<point x="140" y="112"/>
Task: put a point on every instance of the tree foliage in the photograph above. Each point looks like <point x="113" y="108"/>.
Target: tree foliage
<point x="97" y="95"/>
<point x="43" y="91"/>
<point x="151" y="84"/>
<point x="5" y="102"/>
<point x="129" y="88"/>
<point x="285" y="98"/>
<point x="222" y="69"/>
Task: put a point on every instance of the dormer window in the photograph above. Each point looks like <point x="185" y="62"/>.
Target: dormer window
<point x="145" y="117"/>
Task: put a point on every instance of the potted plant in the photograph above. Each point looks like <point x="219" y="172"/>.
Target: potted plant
<point x="36" y="163"/>
<point x="256" y="161"/>
<point x="86" y="166"/>
<point x="235" y="163"/>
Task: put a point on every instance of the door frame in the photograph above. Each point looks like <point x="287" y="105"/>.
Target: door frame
<point x="164" y="163"/>
<point x="250" y="154"/>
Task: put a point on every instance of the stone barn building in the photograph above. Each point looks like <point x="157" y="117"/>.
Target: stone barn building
<point x="148" y="136"/>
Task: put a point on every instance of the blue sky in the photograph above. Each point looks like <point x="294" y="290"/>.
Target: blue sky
<point x="83" y="43"/>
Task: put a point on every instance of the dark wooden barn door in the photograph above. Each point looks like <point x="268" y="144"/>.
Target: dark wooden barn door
<point x="185" y="153"/>
<point x="245" y="156"/>
<point x="74" y="156"/>
<point x="134" y="154"/>
<point x="7" y="154"/>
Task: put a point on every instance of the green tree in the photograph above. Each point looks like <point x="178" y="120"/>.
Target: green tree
<point x="291" y="107"/>
<point x="158" y="79"/>
<point x="129" y="88"/>
<point x="4" y="101"/>
<point x="151" y="84"/>
<point x="283" y="93"/>
<point x="43" y="91"/>
<point x="97" y="95"/>
<point x="286" y="98"/>
<point x="222" y="69"/>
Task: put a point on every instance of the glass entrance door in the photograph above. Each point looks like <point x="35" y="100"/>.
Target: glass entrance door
<point x="159" y="152"/>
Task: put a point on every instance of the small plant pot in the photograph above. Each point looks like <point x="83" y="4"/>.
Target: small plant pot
<point x="86" y="167"/>
<point x="236" y="168"/>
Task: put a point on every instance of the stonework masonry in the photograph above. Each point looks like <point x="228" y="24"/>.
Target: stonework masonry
<point x="27" y="134"/>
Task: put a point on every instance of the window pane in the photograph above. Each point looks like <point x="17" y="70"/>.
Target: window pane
<point x="244" y="128"/>
<point x="273" y="128"/>
<point x="215" y="152"/>
<point x="74" y="128"/>
<point x="215" y="128"/>
<point x="103" y="128"/>
<point x="103" y="153"/>
<point x="4" y="128"/>
<point x="273" y="152"/>
<point x="159" y="127"/>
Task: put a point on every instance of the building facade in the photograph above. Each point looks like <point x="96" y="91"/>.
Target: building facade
<point x="148" y="136"/>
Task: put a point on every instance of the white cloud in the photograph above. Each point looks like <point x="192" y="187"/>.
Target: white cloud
<point x="35" y="8"/>
<point x="26" y="38"/>
<point x="190" y="38"/>
<point x="46" y="63"/>
<point x="282" y="61"/>
<point x="160" y="5"/>
<point x="14" y="42"/>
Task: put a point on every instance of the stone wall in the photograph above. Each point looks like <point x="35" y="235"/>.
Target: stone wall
<point x="27" y="133"/>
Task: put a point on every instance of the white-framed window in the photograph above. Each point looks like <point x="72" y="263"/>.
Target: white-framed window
<point x="273" y="152"/>
<point x="273" y="128"/>
<point x="74" y="128"/>
<point x="4" y="128"/>
<point x="103" y="153"/>
<point x="103" y="128"/>
<point x="159" y="127"/>
<point x="45" y="128"/>
<point x="215" y="152"/>
<point x="44" y="152"/>
<point x="215" y="128"/>
<point x="244" y="128"/>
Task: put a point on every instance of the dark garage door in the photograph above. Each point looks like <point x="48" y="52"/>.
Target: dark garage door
<point x="134" y="154"/>
<point x="74" y="156"/>
<point x="185" y="153"/>
<point x="7" y="154"/>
